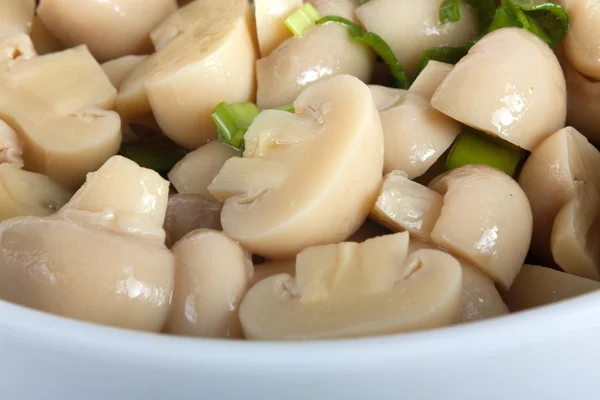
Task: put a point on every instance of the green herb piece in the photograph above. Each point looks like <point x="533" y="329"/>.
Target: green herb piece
<point x="288" y="108"/>
<point x="449" y="55"/>
<point x="379" y="46"/>
<point x="233" y="120"/>
<point x="449" y="11"/>
<point x="159" y="155"/>
<point x="301" y="19"/>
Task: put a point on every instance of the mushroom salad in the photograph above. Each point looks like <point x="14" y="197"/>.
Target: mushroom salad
<point x="290" y="170"/>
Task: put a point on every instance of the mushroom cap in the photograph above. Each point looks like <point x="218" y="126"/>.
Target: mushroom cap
<point x="212" y="275"/>
<point x="322" y="52"/>
<point x="270" y="29"/>
<point x="109" y="29"/>
<point x="15" y="17"/>
<point x="486" y="219"/>
<point x="510" y="85"/>
<point x="537" y="286"/>
<point x="307" y="178"/>
<point x="421" y="28"/>
<point x="188" y="212"/>
<point x="207" y="55"/>
<point x="351" y="289"/>
<point x="415" y="134"/>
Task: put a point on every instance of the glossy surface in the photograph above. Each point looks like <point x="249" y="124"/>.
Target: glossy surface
<point x="212" y="274"/>
<point x="270" y="29"/>
<point x="307" y="178"/>
<point x="207" y="47"/>
<point x="109" y="28"/>
<point x="510" y="85"/>
<point x="15" y="17"/>
<point x="188" y="212"/>
<point x="332" y="297"/>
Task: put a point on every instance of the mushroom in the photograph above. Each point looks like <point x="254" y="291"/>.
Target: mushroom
<point x="188" y="212"/>
<point x="271" y="268"/>
<point x="322" y="52"/>
<point x="15" y="17"/>
<point x="479" y="297"/>
<point x="308" y="178"/>
<point x="119" y="69"/>
<point x="478" y="213"/>
<point x="415" y="133"/>
<point x="43" y="40"/>
<point x="582" y="42"/>
<point x="537" y="286"/>
<point x="431" y="78"/>
<point x="212" y="275"/>
<point x="421" y="28"/>
<point x="206" y="56"/>
<point x="109" y="29"/>
<point x="270" y="28"/>
<point x="72" y="131"/>
<point x="350" y="290"/>
<point x="368" y="230"/>
<point x="341" y="8"/>
<point x="555" y="177"/>
<point x="101" y="258"/>
<point x="524" y="100"/>
<point x="194" y="172"/>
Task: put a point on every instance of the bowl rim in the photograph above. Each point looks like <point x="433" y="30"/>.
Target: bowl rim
<point x="519" y="329"/>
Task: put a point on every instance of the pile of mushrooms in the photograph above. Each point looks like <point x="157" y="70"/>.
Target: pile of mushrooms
<point x="339" y="216"/>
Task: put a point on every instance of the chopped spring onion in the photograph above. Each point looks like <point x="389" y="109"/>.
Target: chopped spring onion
<point x="449" y="55"/>
<point x="233" y="120"/>
<point x="449" y="11"/>
<point x="301" y="19"/>
<point x="546" y="19"/>
<point x="381" y="48"/>
<point x="472" y="147"/>
<point x="288" y="108"/>
<point x="159" y="155"/>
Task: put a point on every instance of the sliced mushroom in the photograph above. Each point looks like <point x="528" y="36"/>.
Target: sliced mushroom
<point x="537" y="286"/>
<point x="15" y="17"/>
<point x="478" y="213"/>
<point x="421" y="28"/>
<point x="550" y="178"/>
<point x="101" y="258"/>
<point x="270" y="29"/>
<point x="431" y="78"/>
<point x="207" y="55"/>
<point x="197" y="169"/>
<point x="307" y="178"/>
<point x="109" y="29"/>
<point x="212" y="275"/>
<point x="119" y="69"/>
<point x="524" y="100"/>
<point x="72" y="132"/>
<point x="188" y="212"/>
<point x="479" y="297"/>
<point x="415" y="133"/>
<point x="582" y="42"/>
<point x="322" y="52"/>
<point x="43" y="40"/>
<point x="351" y="290"/>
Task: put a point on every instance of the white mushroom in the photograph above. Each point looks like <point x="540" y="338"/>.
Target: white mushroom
<point x="206" y="55"/>
<point x="43" y="40"/>
<point x="307" y="178"/>
<point x="431" y="78"/>
<point x="101" y="259"/>
<point x="351" y="289"/>
<point x="15" y="17"/>
<point x="524" y="100"/>
<point x="212" y="275"/>
<point x="270" y="28"/>
<point x="188" y="212"/>
<point x="119" y="69"/>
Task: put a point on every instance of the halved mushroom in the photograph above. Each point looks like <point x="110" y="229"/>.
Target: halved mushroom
<point x="421" y="27"/>
<point x="478" y="213"/>
<point x="350" y="290"/>
<point x="212" y="275"/>
<point x="479" y="297"/>
<point x="415" y="133"/>
<point x="270" y="29"/>
<point x="101" y="258"/>
<point x="109" y="29"/>
<point x="431" y="78"/>
<point x="322" y="52"/>
<point x="119" y="69"/>
<point x="15" y="17"/>
<point x="307" y="178"/>
<point x="525" y="98"/>
<point x="58" y="104"/>
<point x="550" y="178"/>
<point x="197" y="169"/>
<point x="188" y="212"/>
<point x="582" y="42"/>
<point x="537" y="286"/>
<point x="207" y="55"/>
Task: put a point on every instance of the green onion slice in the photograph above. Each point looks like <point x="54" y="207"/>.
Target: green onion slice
<point x="472" y="147"/>
<point x="448" y="55"/>
<point x="288" y="108"/>
<point x="375" y="42"/>
<point x="233" y="120"/>
<point x="159" y="155"/>
<point x="301" y="19"/>
<point x="449" y="11"/>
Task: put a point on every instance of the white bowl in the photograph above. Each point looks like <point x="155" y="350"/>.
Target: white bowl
<point x="548" y="353"/>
